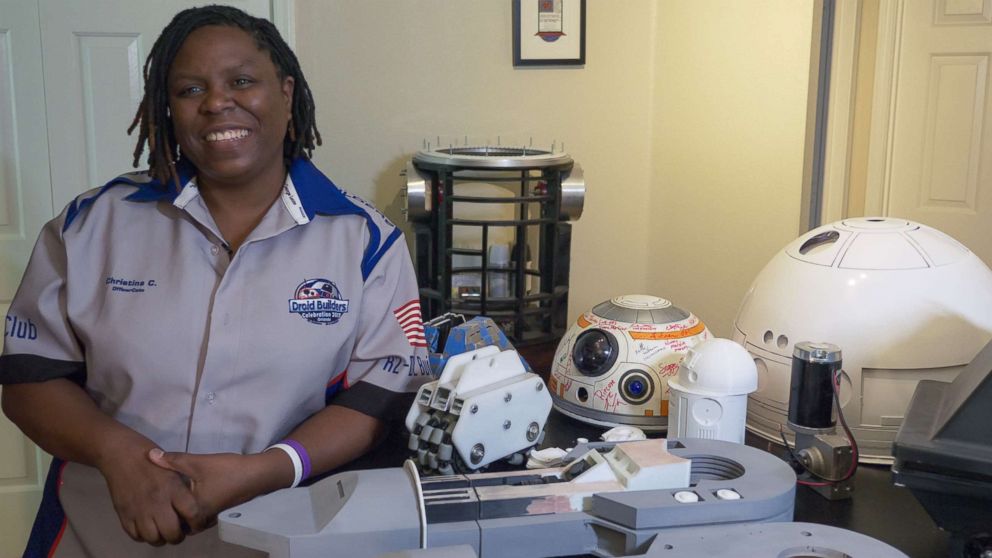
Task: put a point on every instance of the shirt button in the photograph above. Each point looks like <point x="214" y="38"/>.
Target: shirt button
<point x="214" y="250"/>
<point x="211" y="398"/>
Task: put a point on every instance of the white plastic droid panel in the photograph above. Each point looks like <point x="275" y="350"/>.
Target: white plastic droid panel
<point x="903" y="301"/>
<point x="485" y="407"/>
<point x="612" y="366"/>
<point x="708" y="398"/>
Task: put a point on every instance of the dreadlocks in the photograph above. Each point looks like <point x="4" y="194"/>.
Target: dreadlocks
<point x="152" y="118"/>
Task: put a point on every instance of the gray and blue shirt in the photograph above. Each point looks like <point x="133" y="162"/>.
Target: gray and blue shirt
<point x="132" y="293"/>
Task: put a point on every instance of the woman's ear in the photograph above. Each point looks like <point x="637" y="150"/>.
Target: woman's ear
<point x="288" y="85"/>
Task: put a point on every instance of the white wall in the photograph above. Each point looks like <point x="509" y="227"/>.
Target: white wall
<point x="386" y="75"/>
<point x="687" y="119"/>
<point x="729" y="122"/>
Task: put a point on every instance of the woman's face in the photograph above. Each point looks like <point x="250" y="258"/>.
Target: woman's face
<point x="230" y="109"/>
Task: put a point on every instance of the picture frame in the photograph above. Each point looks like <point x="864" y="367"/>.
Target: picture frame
<point x="549" y="32"/>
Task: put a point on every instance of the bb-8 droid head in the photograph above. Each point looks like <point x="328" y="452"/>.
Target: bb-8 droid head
<point x="612" y="366"/>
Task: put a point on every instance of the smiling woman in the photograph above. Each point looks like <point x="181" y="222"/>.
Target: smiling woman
<point x="157" y="318"/>
<point x="162" y="70"/>
<point x="230" y="109"/>
<point x="223" y="85"/>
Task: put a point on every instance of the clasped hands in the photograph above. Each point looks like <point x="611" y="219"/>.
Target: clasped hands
<point x="161" y="497"/>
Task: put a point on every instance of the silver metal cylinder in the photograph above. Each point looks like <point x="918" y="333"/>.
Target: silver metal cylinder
<point x="418" y="194"/>
<point x="490" y="157"/>
<point x="573" y="194"/>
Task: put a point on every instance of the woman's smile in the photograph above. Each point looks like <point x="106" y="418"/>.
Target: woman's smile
<point x="227" y="135"/>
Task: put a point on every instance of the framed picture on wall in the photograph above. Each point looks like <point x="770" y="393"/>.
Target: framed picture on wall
<point x="549" y="32"/>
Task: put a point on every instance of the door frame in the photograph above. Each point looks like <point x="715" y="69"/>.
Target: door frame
<point x="840" y="111"/>
<point x="283" y="16"/>
<point x="883" y="103"/>
<point x="838" y="188"/>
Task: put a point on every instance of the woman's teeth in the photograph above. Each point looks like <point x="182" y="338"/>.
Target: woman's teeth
<point x="226" y="135"/>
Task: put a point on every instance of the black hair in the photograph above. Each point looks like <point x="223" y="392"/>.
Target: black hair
<point x="152" y="118"/>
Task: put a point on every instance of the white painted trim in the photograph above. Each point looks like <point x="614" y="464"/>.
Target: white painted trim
<point x="883" y="106"/>
<point x="284" y="18"/>
<point x="840" y="111"/>
<point x="812" y="97"/>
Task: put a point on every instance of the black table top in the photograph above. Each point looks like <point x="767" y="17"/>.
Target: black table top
<point x="878" y="508"/>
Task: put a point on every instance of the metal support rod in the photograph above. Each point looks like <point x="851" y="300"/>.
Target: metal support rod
<point x="445" y="232"/>
<point x="520" y="289"/>
<point x="484" y="294"/>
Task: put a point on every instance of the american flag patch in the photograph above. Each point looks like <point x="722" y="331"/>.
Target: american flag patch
<point x="408" y="315"/>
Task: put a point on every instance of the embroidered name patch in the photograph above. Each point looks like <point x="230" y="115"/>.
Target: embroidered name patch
<point x="119" y="285"/>
<point x="319" y="302"/>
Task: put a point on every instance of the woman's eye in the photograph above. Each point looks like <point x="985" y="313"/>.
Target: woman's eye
<point x="190" y="90"/>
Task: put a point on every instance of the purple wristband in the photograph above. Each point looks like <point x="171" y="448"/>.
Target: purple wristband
<point x="304" y="457"/>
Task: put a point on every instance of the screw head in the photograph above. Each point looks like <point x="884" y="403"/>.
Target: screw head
<point x="474" y="409"/>
<point x="532" y="431"/>
<point x="540" y="386"/>
<point x="477" y="453"/>
<point x="508" y="397"/>
<point x="506" y="425"/>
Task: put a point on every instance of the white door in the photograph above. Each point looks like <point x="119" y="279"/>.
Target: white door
<point x="70" y="81"/>
<point x="931" y="156"/>
<point x="94" y="56"/>
<point x="25" y="204"/>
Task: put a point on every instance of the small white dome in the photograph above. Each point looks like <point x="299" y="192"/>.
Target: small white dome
<point x="641" y="302"/>
<point x="717" y="367"/>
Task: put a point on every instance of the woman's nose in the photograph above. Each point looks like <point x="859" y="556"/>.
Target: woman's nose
<point x="217" y="99"/>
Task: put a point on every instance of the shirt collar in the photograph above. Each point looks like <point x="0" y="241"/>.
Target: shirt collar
<point x="317" y="194"/>
<point x="154" y="190"/>
<point x="307" y="191"/>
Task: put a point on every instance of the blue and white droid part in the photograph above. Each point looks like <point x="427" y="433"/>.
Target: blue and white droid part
<point x="709" y="396"/>
<point x="612" y="366"/>
<point x="905" y="301"/>
<point x="484" y="407"/>
<point x="450" y="334"/>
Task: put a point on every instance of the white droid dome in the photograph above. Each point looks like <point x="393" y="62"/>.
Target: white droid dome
<point x="717" y="367"/>
<point x="904" y="301"/>
<point x="613" y="364"/>
<point x="708" y="399"/>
